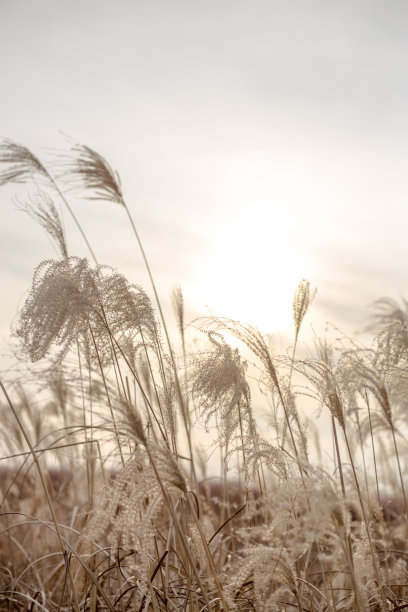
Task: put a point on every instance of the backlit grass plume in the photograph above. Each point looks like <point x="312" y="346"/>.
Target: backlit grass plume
<point x="88" y="170"/>
<point x="42" y="210"/>
<point x="220" y="390"/>
<point x="218" y="381"/>
<point x="69" y="298"/>
<point x="20" y="164"/>
<point x="302" y="300"/>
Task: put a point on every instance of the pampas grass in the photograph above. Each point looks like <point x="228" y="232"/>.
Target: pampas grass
<point x="102" y="505"/>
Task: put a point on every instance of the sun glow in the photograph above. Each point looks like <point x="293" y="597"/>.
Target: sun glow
<point x="255" y="267"/>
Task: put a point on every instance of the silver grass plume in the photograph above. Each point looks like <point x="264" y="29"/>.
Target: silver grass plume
<point x="42" y="210"/>
<point x="129" y="507"/>
<point x="391" y="321"/>
<point x="273" y="575"/>
<point x="392" y="345"/>
<point x="376" y="381"/>
<point x="178" y="307"/>
<point x="20" y="163"/>
<point x="68" y="299"/>
<point x="387" y="311"/>
<point x="326" y="378"/>
<point x="256" y="342"/>
<point x="90" y="171"/>
<point x="127" y="307"/>
<point x="167" y="395"/>
<point x="365" y="569"/>
<point x="219" y="386"/>
<point x="301" y="303"/>
<point x="261" y="453"/>
<point x="58" y="307"/>
<point x="250" y="336"/>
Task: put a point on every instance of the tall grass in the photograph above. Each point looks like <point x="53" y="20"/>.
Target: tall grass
<point x="105" y="499"/>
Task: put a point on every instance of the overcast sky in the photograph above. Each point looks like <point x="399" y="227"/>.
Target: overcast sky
<point x="258" y="143"/>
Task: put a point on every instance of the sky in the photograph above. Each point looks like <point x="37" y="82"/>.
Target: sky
<point x="258" y="143"/>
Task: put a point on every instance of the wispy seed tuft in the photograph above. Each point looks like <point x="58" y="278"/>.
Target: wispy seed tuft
<point x="90" y="171"/>
<point x="20" y="163"/>
<point x="301" y="302"/>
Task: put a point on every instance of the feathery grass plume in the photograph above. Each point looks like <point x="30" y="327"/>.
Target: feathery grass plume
<point x="145" y="357"/>
<point x="167" y="397"/>
<point x="126" y="306"/>
<point x="302" y="300"/>
<point x="301" y="303"/>
<point x="178" y="307"/>
<point x="369" y="374"/>
<point x="68" y="298"/>
<point x="256" y="342"/>
<point x="387" y="311"/>
<point x="311" y="526"/>
<point x="392" y="346"/>
<point x="326" y="379"/>
<point x="89" y="170"/>
<point x="197" y="547"/>
<point x="273" y="576"/>
<point x="219" y="387"/>
<point x="21" y="164"/>
<point x="129" y="507"/>
<point x="387" y="384"/>
<point x="132" y="422"/>
<point x="168" y="476"/>
<point x="377" y="382"/>
<point x="365" y="570"/>
<point x="385" y="389"/>
<point x="59" y="307"/>
<point x="42" y="210"/>
<point x="391" y="321"/>
<point x="262" y="454"/>
<point x="249" y="335"/>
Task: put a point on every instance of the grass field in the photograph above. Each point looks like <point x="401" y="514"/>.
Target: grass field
<point x="108" y="500"/>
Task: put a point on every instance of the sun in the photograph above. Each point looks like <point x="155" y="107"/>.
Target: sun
<point x="255" y="267"/>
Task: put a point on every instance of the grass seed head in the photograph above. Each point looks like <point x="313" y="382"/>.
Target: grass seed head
<point x="20" y="165"/>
